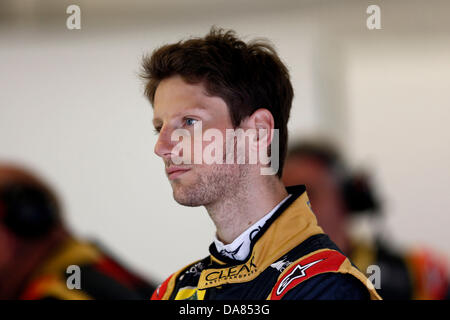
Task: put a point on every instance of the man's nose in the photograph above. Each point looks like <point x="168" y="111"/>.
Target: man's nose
<point x="164" y="145"/>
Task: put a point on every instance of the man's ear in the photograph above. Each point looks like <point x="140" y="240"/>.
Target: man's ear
<point x="264" y="141"/>
<point x="262" y="119"/>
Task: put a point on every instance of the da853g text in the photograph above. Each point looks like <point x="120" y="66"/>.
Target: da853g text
<point x="247" y="309"/>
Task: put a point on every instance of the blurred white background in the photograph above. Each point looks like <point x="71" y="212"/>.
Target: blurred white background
<point x="72" y="108"/>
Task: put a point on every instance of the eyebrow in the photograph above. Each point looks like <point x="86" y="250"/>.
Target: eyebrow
<point x="184" y="111"/>
<point x="156" y="122"/>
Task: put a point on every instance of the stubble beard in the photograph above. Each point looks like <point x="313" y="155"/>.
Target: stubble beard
<point x="214" y="185"/>
<point x="211" y="184"/>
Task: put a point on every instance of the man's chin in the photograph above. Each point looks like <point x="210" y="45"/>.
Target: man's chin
<point x="184" y="192"/>
<point x="187" y="203"/>
<point x="185" y="198"/>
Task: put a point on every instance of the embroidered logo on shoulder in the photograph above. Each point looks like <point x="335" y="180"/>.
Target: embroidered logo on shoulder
<point x="298" y="272"/>
<point x="281" y="264"/>
<point x="194" y="270"/>
<point x="305" y="268"/>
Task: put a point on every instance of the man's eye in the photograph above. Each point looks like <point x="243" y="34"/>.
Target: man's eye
<point x="190" y="121"/>
<point x="157" y="130"/>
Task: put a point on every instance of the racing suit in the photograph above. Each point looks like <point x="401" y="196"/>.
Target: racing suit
<point x="102" y="276"/>
<point x="290" y="258"/>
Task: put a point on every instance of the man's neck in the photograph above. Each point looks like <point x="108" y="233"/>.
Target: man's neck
<point x="234" y="214"/>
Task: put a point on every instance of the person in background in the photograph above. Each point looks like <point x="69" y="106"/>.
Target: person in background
<point x="340" y="198"/>
<point x="39" y="256"/>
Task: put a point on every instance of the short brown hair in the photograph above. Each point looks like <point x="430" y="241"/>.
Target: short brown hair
<point x="247" y="76"/>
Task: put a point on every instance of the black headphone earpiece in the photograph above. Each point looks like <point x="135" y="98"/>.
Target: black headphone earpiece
<point x="356" y="188"/>
<point x="359" y="195"/>
<point x="28" y="211"/>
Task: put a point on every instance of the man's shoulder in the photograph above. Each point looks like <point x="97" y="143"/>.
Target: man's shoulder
<point x="317" y="269"/>
<point x="299" y="270"/>
<point x="329" y="286"/>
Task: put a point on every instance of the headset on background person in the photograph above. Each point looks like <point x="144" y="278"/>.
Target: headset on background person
<point x="27" y="210"/>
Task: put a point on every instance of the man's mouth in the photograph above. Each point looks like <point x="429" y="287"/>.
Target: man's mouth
<point x="174" y="172"/>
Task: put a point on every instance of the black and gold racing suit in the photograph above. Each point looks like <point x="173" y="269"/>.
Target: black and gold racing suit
<point x="290" y="258"/>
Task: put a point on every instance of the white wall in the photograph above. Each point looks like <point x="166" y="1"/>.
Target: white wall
<point x="408" y="82"/>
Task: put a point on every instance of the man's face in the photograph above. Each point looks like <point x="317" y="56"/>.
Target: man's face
<point x="179" y="105"/>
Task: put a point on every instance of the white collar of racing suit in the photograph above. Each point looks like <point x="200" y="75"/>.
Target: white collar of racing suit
<point x="239" y="249"/>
